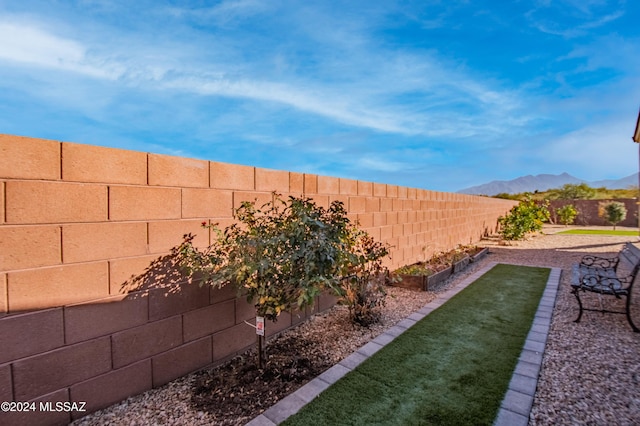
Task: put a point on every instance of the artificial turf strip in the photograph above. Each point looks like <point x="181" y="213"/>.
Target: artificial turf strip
<point x="453" y="367"/>
<point x="599" y="232"/>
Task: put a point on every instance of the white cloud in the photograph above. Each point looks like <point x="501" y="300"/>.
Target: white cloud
<point x="376" y="163"/>
<point x="30" y="45"/>
<point x="360" y="84"/>
<point x="611" y="51"/>
<point x="335" y="107"/>
<point x="598" y="151"/>
<point x="573" y="18"/>
<point x="223" y="13"/>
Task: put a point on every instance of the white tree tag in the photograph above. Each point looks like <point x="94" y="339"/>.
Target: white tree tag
<point x="260" y="326"/>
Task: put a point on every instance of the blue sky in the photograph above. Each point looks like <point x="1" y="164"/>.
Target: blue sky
<point x="439" y="95"/>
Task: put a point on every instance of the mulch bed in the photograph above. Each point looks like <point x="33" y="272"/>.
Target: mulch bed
<point x="239" y="390"/>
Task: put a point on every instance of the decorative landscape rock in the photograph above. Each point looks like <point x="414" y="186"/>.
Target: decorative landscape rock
<point x="605" y="342"/>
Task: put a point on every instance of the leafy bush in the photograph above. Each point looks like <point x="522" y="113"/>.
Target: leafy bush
<point x="280" y="255"/>
<point x="583" y="191"/>
<point x="526" y="217"/>
<point x="571" y="191"/>
<point x="283" y="254"/>
<point x="613" y="212"/>
<point x="567" y="214"/>
<point x="363" y="277"/>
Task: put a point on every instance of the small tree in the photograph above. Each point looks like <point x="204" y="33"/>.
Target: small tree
<point x="613" y="212"/>
<point x="528" y="216"/>
<point x="567" y="214"/>
<point x="282" y="255"/>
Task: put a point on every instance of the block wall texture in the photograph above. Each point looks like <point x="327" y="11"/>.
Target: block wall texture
<point x="91" y="306"/>
<point x="588" y="211"/>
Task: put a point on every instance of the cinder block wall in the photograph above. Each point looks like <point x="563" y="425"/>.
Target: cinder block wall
<point x="588" y="211"/>
<point x="78" y="221"/>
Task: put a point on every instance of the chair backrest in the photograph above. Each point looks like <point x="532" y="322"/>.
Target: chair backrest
<point x="629" y="257"/>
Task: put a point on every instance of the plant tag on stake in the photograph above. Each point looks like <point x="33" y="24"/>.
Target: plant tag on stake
<point x="260" y="326"/>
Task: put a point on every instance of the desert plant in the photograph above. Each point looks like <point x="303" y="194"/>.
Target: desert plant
<point x="283" y="254"/>
<point x="613" y="212"/>
<point x="523" y="218"/>
<point x="458" y="253"/>
<point x="280" y="256"/>
<point x="363" y="276"/>
<point x="567" y="214"/>
<point x="572" y="191"/>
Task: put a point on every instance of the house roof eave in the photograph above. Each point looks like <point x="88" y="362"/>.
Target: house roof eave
<point x="636" y="135"/>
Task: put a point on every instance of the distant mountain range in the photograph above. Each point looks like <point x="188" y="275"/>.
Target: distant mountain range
<point x="544" y="182"/>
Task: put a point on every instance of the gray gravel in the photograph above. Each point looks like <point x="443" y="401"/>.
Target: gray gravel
<point x="591" y="370"/>
<point x="590" y="373"/>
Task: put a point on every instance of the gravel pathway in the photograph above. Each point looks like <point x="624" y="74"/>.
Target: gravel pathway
<point x="590" y="373"/>
<point x="591" y="370"/>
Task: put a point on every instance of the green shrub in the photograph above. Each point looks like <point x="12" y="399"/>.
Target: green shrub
<point x="363" y="278"/>
<point x="567" y="214"/>
<point x="572" y="191"/>
<point x="524" y="218"/>
<point x="613" y="212"/>
<point x="280" y="255"/>
<point x="285" y="253"/>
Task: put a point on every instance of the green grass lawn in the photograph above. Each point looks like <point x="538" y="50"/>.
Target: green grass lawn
<point x="451" y="368"/>
<point x="599" y="232"/>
